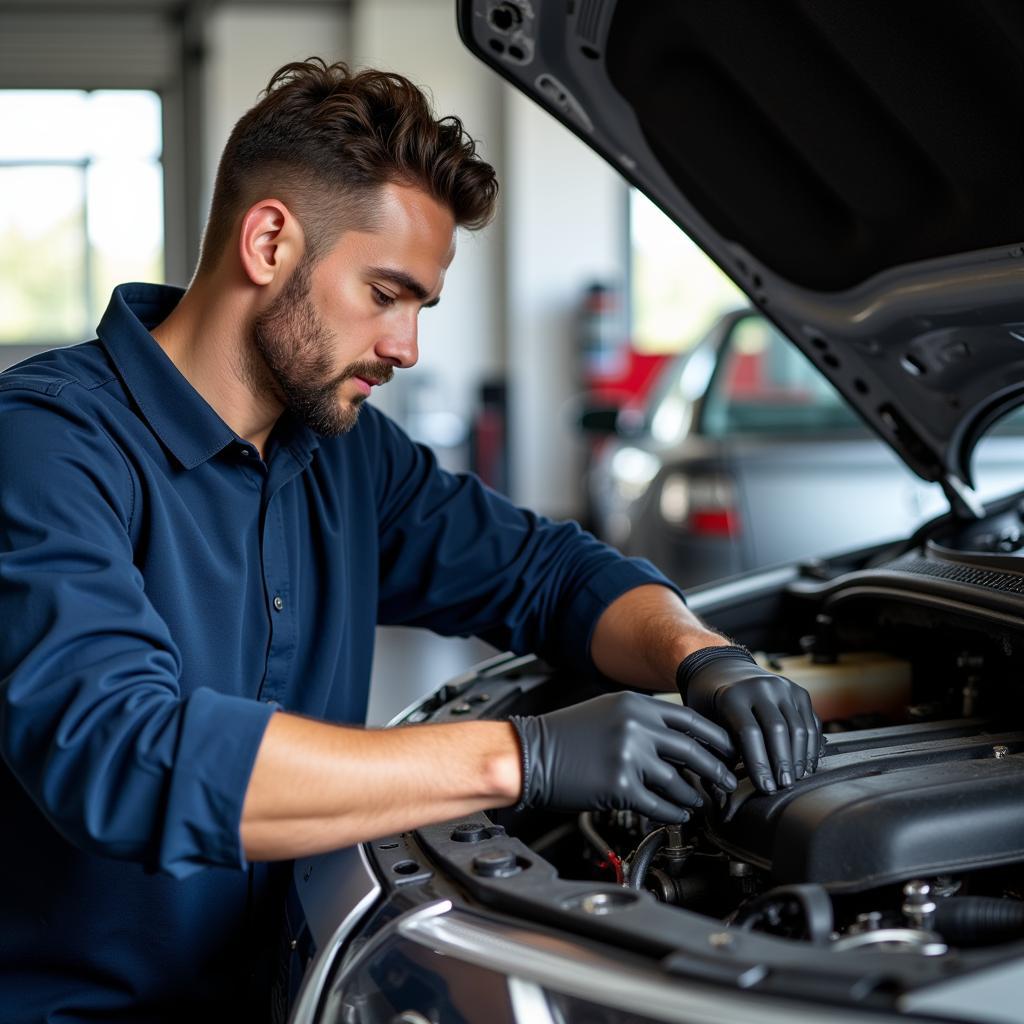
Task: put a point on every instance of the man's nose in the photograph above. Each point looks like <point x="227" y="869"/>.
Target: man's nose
<point x="400" y="345"/>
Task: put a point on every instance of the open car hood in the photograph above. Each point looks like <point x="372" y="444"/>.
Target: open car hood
<point x="857" y="168"/>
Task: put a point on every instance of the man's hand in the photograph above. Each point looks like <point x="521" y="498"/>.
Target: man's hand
<point x="620" y="751"/>
<point x="769" y="715"/>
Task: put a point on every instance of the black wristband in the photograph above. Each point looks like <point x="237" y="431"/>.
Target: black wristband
<point x="693" y="663"/>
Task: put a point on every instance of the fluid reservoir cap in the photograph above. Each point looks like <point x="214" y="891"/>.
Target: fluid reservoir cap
<point x="496" y="864"/>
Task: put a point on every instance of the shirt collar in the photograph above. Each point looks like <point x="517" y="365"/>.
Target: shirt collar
<point x="181" y="418"/>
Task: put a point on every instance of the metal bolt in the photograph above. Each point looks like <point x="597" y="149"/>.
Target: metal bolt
<point x="871" y="921"/>
<point x="674" y="837"/>
<point x="999" y="751"/>
<point x="720" y="940"/>
<point x="918" y="904"/>
<point x="461" y="709"/>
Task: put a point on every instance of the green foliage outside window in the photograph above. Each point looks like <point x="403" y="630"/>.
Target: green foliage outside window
<point x="81" y="207"/>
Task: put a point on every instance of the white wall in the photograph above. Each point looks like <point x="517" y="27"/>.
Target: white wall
<point x="566" y="227"/>
<point x="244" y="46"/>
<point x="461" y="340"/>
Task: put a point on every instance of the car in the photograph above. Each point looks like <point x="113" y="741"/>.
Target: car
<point x="744" y="455"/>
<point x="857" y="170"/>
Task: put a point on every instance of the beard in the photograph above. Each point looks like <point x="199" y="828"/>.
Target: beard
<point x="291" y="357"/>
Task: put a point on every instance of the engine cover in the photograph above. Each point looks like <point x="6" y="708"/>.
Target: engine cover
<point x="886" y="805"/>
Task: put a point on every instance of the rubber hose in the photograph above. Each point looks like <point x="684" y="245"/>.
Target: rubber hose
<point x="642" y="857"/>
<point x="978" y="920"/>
<point x="813" y="901"/>
<point x="596" y="840"/>
<point x="552" y="838"/>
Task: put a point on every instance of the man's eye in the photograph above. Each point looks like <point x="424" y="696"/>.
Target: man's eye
<point x="382" y="298"/>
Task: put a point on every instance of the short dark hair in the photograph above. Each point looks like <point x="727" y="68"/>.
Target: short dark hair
<point x="324" y="140"/>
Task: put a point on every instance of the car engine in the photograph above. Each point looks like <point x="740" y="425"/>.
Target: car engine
<point x="908" y="837"/>
<point x="889" y="879"/>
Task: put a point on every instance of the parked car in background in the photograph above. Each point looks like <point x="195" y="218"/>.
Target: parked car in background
<point x="744" y="455"/>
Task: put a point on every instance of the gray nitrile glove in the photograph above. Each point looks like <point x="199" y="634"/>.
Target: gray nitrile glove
<point x="620" y="751"/>
<point x="770" y="716"/>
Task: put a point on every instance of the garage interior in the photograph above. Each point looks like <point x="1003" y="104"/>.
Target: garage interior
<point x="511" y="303"/>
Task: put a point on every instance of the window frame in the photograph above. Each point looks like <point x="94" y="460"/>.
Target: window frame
<point x="724" y="355"/>
<point x="159" y="53"/>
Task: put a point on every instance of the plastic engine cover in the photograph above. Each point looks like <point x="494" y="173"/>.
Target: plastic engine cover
<point x="886" y="805"/>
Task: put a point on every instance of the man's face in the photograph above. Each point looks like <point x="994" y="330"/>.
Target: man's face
<point x="344" y="324"/>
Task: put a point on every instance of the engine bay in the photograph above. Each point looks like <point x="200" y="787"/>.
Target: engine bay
<point x="907" y="839"/>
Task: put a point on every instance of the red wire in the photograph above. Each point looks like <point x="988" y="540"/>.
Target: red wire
<point x="616" y="862"/>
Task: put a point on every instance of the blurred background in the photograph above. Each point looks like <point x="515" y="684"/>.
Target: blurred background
<point x="580" y="301"/>
<point x="113" y="115"/>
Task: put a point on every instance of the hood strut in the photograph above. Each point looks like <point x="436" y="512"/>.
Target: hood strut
<point x="963" y="501"/>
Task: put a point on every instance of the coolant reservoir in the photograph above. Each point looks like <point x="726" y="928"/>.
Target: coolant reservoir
<point x="857" y="683"/>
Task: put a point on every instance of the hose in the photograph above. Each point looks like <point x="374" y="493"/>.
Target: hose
<point x="600" y="844"/>
<point x="640" y="859"/>
<point x="799" y="911"/>
<point x="553" y="838"/>
<point x="978" y="920"/>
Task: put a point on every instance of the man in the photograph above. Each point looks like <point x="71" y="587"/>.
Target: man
<point x="199" y="531"/>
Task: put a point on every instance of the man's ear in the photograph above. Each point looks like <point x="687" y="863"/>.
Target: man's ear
<point x="270" y="242"/>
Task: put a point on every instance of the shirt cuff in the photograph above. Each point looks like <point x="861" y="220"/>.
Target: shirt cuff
<point x="614" y="580"/>
<point x="217" y="746"/>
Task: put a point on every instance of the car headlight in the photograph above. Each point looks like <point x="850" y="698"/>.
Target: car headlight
<point x="633" y="470"/>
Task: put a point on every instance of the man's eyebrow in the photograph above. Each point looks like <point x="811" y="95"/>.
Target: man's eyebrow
<point x="404" y="280"/>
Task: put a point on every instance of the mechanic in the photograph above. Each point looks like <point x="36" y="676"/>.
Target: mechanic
<point x="199" y="530"/>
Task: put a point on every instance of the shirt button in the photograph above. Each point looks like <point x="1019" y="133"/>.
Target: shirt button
<point x="278" y="602"/>
<point x="247" y="453"/>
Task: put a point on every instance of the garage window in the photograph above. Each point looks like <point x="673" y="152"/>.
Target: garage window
<point x="81" y="207"/>
<point x="676" y="291"/>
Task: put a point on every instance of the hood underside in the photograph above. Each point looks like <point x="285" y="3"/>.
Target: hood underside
<point x="857" y="168"/>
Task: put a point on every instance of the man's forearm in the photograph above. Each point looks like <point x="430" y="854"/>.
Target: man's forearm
<point x="316" y="787"/>
<point x="643" y="636"/>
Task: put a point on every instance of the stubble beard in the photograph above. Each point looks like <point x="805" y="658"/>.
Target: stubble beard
<point x="290" y="357"/>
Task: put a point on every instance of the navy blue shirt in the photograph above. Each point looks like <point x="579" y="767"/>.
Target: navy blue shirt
<point x="163" y="590"/>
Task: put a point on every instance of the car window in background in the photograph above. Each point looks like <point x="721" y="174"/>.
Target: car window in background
<point x="764" y="385"/>
<point x="81" y="207"/>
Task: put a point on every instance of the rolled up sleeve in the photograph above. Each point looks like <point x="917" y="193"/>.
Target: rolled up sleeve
<point x="458" y="558"/>
<point x="94" y="721"/>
